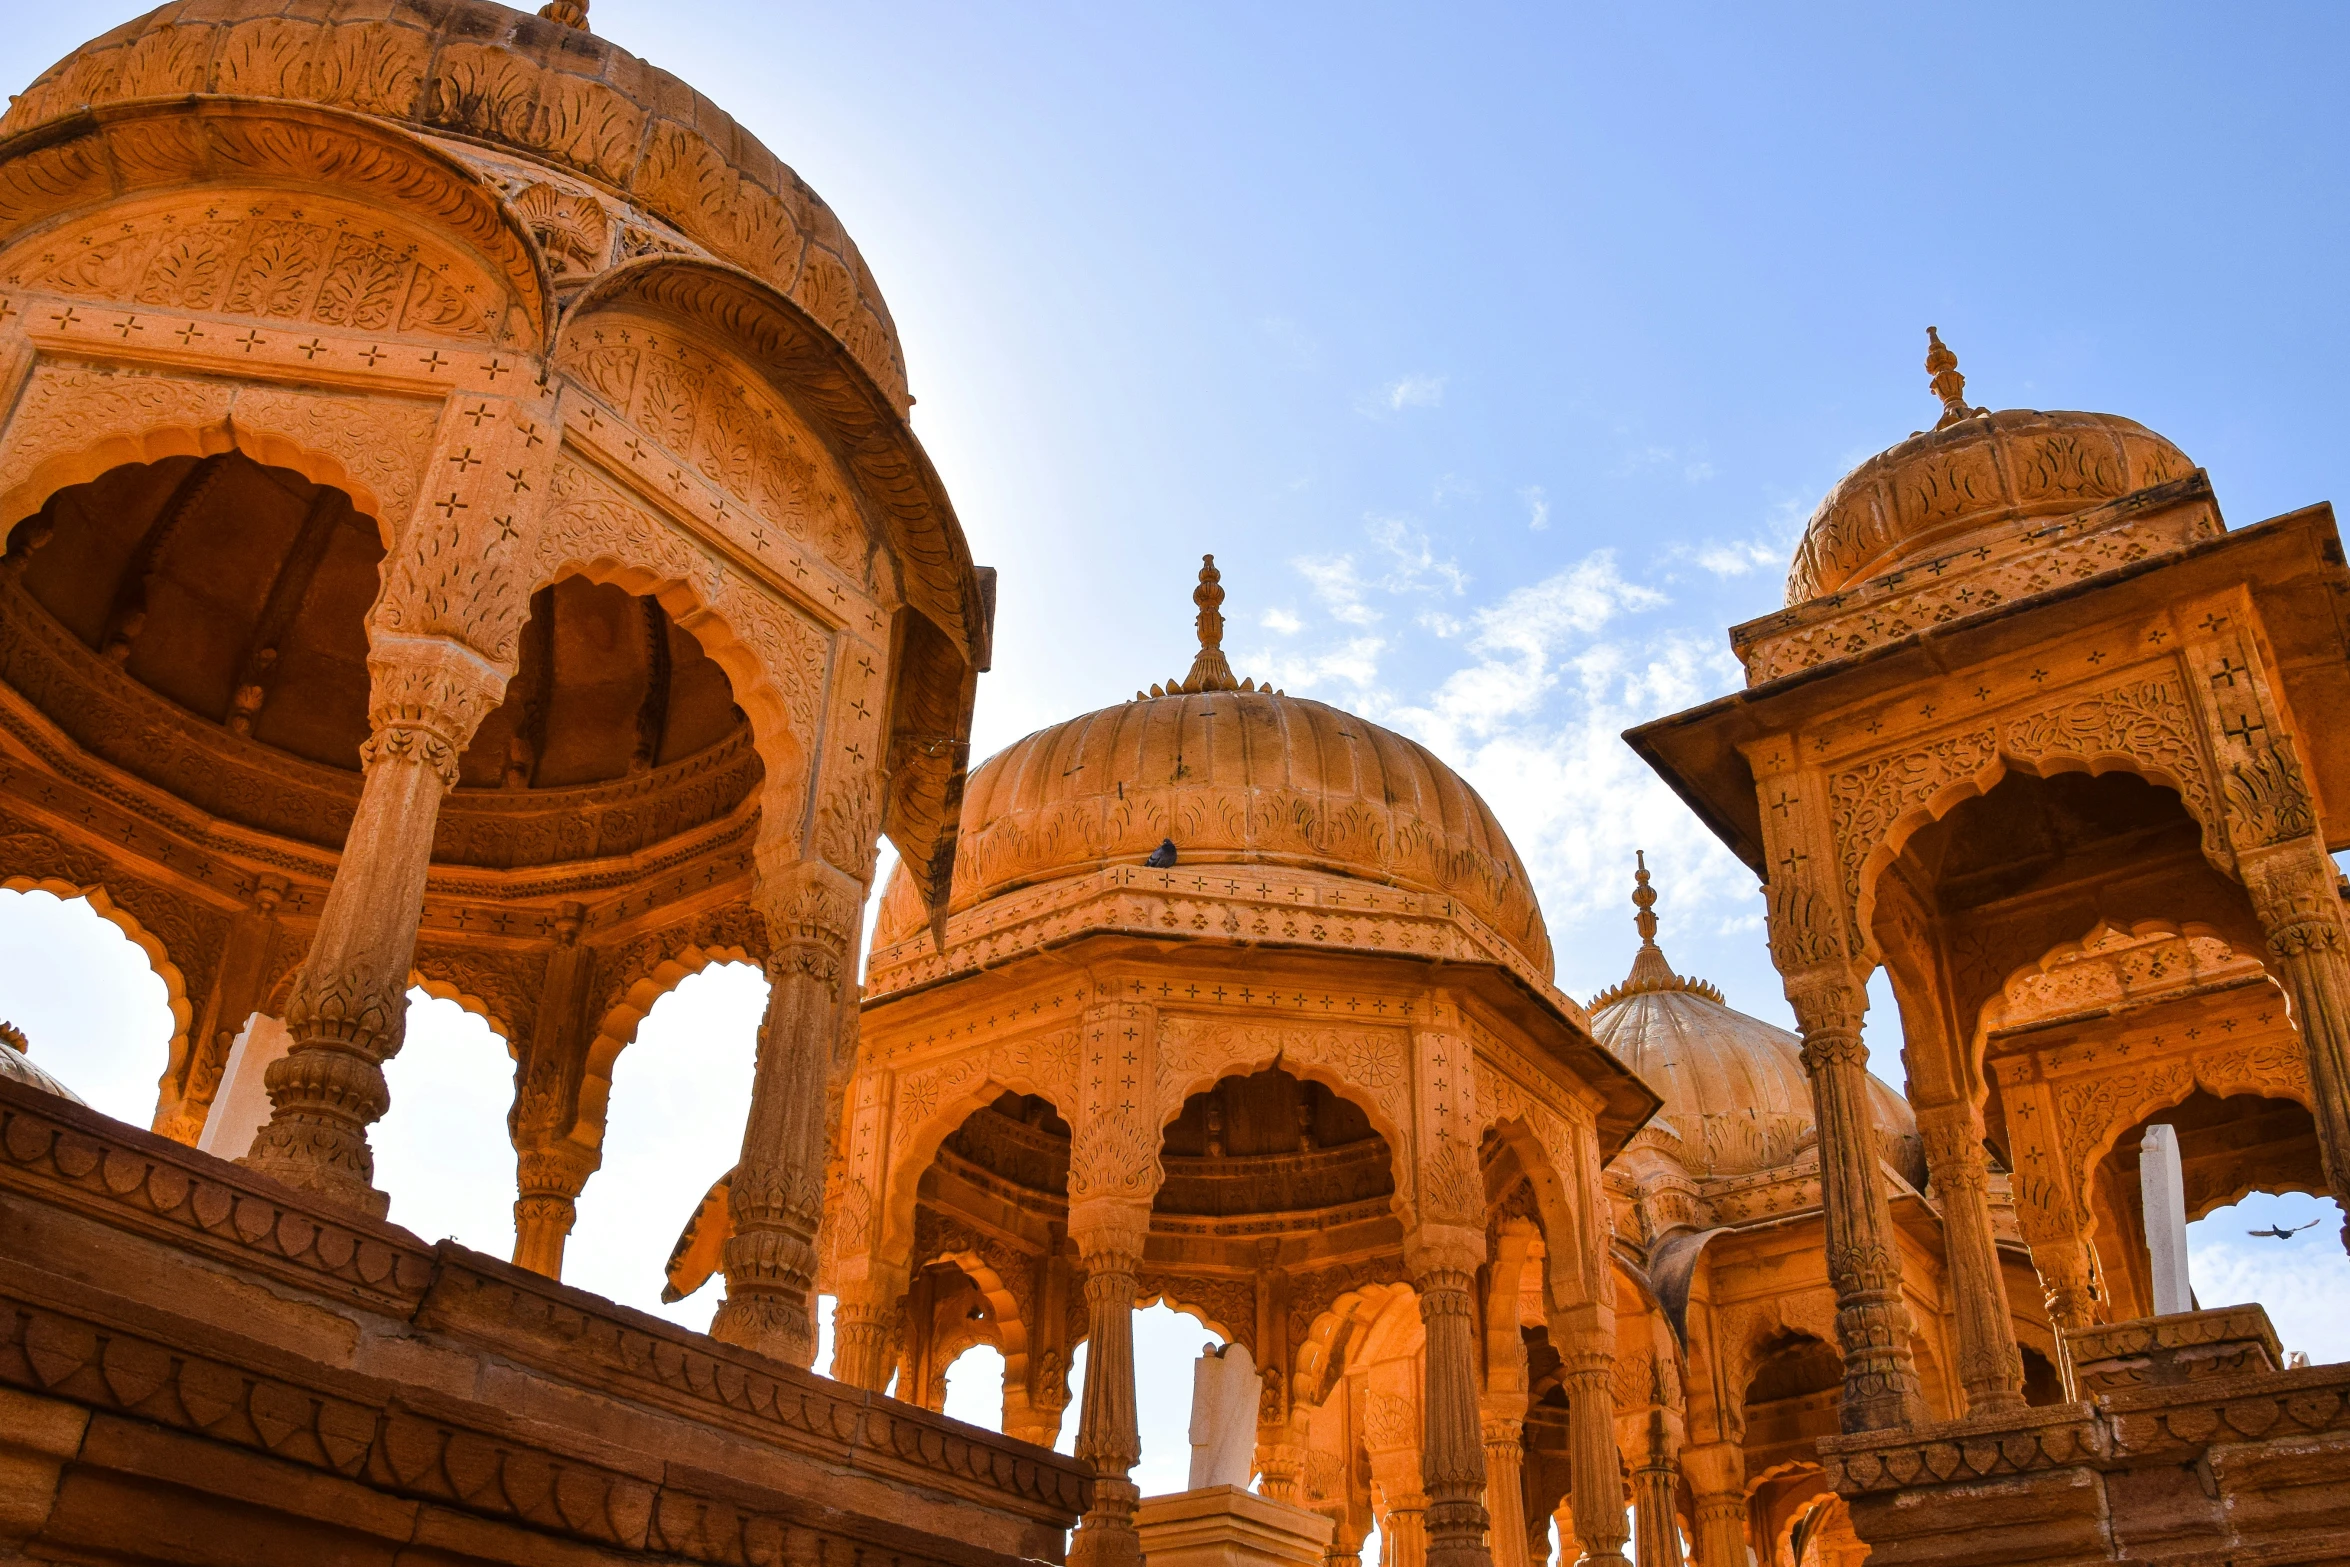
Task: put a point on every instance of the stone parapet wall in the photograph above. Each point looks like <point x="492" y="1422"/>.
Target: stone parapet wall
<point x="196" y="1361"/>
<point x="2232" y="1468"/>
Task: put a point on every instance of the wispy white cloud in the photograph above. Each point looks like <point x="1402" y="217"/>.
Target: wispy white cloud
<point x="1407" y="391"/>
<point x="1281" y="620"/>
<point x="1338" y="586"/>
<point x="1537" y="507"/>
<point x="1695" y="466"/>
<point x="1452" y="487"/>
<point x="1740" y="557"/>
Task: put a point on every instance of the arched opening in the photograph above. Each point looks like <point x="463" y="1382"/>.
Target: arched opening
<point x="673" y="1127"/>
<point x="441" y="1150"/>
<point x="93" y="1011"/>
<point x="1791" y="1400"/>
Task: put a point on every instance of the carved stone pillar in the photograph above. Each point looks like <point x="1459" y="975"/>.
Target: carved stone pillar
<point x="1656" y="1540"/>
<point x="1505" y="1481"/>
<point x="1872" y="1320"/>
<point x="2293" y="888"/>
<point x="349" y="1007"/>
<point x="236" y="993"/>
<point x="865" y="1336"/>
<point x="1717" y="1481"/>
<point x="1443" y="1263"/>
<point x="1281" y="1456"/>
<point x="2069" y="1283"/>
<point x="1597" y="1501"/>
<point x="550" y="1168"/>
<point x="1990" y="1367"/>
<point x="1403" y="1533"/>
<point x="777" y="1197"/>
<point x="549" y="1181"/>
<point x="1109" y="1236"/>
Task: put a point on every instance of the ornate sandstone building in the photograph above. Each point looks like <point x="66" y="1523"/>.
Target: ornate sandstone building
<point x="462" y="530"/>
<point x="2043" y="738"/>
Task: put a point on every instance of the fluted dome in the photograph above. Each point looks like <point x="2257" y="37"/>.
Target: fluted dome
<point x="553" y="93"/>
<point x="1736" y="1095"/>
<point x="1234" y="775"/>
<point x="1977" y="481"/>
<point x="17" y="1065"/>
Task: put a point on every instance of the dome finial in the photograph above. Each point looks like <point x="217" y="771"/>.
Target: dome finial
<point x="571" y="13"/>
<point x="1650" y="971"/>
<point x="1948" y="384"/>
<point x="1209" y="671"/>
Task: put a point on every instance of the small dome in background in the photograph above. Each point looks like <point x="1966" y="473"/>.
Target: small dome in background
<point x="1735" y="1091"/>
<point x="1236" y="774"/>
<point x="1968" y="484"/>
<point x="16" y="1065"/>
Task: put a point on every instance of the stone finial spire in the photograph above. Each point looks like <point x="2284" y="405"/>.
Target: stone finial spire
<point x="1650" y="971"/>
<point x="1209" y="671"/>
<point x="571" y="13"/>
<point x="13" y="1037"/>
<point x="1948" y="384"/>
<point x="1649" y="968"/>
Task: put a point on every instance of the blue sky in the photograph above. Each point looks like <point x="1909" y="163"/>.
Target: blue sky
<point x="1499" y="353"/>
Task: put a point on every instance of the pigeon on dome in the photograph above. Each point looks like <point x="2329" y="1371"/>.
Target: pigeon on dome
<point x="1650" y="971"/>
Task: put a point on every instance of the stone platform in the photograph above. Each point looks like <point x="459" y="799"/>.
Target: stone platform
<point x="198" y="1365"/>
<point x="1229" y="1526"/>
<point x="2189" y="1448"/>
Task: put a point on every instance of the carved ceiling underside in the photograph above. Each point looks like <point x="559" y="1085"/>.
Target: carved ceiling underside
<point x="199" y="623"/>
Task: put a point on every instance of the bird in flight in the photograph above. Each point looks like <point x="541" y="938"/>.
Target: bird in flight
<point x="2280" y="1232"/>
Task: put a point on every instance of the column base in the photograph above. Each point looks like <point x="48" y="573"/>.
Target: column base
<point x="1228" y="1526"/>
<point x="768" y="1325"/>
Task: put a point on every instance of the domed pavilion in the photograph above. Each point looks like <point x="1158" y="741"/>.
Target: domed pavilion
<point x="1244" y="1004"/>
<point x="459" y="527"/>
<point x="1730" y="1373"/>
<point x="2043" y="738"/>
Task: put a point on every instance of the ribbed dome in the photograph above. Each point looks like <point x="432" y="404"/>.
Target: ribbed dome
<point x="553" y="93"/>
<point x="1972" y="479"/>
<point x="1734" y="1087"/>
<point x="16" y="1066"/>
<point x="1233" y="776"/>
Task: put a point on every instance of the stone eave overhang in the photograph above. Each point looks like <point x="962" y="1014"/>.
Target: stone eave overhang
<point x="1541" y="1015"/>
<point x="2291" y="562"/>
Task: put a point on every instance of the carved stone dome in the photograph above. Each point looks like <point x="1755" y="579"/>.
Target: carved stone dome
<point x="18" y="1066"/>
<point x="1975" y="483"/>
<point x="1736" y="1095"/>
<point x="1234" y="774"/>
<point x="552" y="93"/>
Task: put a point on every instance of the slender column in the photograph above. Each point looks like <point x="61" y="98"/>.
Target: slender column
<point x="1505" y="1499"/>
<point x="1872" y="1320"/>
<point x="2293" y="888"/>
<point x="1281" y="1457"/>
<point x="548" y="1182"/>
<point x="2068" y="1282"/>
<point x="1717" y="1480"/>
<point x="236" y="993"/>
<point x="1443" y="1260"/>
<point x="551" y="1169"/>
<point x="349" y="1006"/>
<point x="1597" y="1499"/>
<point x="777" y="1197"/>
<point x="1990" y="1367"/>
<point x="1403" y="1533"/>
<point x="1656" y="1532"/>
<point x="865" y="1335"/>
<point x="1109" y="1236"/>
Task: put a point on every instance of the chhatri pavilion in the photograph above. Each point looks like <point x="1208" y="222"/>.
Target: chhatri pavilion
<point x="460" y="528"/>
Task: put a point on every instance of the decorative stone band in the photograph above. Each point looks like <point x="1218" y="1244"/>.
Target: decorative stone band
<point x="2018" y="560"/>
<point x="1285" y="907"/>
<point x="79" y="1163"/>
<point x="426" y="696"/>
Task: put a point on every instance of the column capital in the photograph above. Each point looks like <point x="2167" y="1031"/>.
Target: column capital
<point x="812" y="913"/>
<point x="1109" y="1228"/>
<point x="1432" y="1251"/>
<point x="426" y="696"/>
